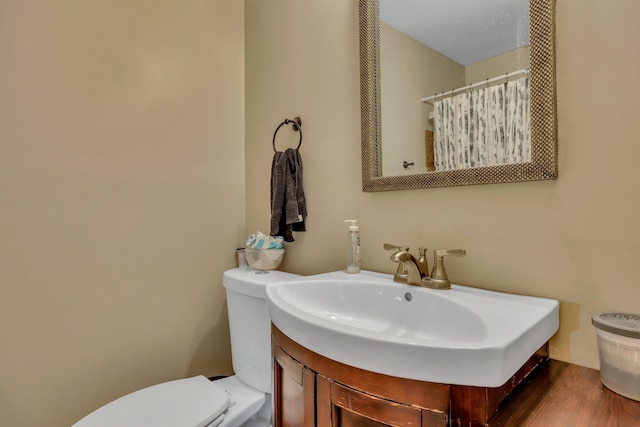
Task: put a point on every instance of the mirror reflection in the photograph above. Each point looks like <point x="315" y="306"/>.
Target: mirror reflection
<point x="454" y="84"/>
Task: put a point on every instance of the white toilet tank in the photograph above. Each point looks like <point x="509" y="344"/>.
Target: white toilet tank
<point x="249" y="323"/>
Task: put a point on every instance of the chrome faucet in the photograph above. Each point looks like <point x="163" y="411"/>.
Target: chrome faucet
<point x="413" y="275"/>
<point x="415" y="272"/>
<point x="410" y="270"/>
<point x="401" y="268"/>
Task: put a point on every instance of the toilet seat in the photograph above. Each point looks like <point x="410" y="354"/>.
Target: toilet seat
<point x="192" y="402"/>
<point x="247" y="405"/>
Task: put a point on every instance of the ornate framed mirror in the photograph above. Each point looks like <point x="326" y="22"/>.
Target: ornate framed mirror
<point x="542" y="160"/>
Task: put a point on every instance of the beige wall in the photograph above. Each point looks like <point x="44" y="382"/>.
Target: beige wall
<point x="121" y="197"/>
<point x="513" y="60"/>
<point x="575" y="239"/>
<point x="410" y="71"/>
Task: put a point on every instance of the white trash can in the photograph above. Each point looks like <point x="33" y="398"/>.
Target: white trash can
<point x="619" y="351"/>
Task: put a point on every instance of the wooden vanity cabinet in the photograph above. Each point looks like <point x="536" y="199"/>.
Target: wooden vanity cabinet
<point x="295" y="385"/>
<point x="339" y="405"/>
<point x="312" y="390"/>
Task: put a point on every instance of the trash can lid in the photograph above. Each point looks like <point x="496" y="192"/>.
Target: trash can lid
<point x="624" y="324"/>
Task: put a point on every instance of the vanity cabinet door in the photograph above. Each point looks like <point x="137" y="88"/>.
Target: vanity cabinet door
<point x="341" y="406"/>
<point x="294" y="392"/>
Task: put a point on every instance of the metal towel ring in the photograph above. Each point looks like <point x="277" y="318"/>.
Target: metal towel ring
<point x="296" y="123"/>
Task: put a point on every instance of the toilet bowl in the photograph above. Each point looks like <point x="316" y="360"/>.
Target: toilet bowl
<point x="243" y="399"/>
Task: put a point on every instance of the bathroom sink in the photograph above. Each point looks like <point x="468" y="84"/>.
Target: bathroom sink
<point x="463" y="335"/>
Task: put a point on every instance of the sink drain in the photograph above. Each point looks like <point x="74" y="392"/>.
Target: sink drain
<point x="408" y="296"/>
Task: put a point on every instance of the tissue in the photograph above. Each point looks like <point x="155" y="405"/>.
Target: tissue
<point x="261" y="241"/>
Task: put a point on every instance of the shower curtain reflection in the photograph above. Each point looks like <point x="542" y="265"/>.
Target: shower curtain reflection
<point x="486" y="126"/>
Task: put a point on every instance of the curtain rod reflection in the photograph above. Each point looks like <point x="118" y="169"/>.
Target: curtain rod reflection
<point x="430" y="99"/>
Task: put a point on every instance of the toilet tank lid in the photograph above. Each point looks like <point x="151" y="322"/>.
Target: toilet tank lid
<point x="190" y="402"/>
<point x="253" y="282"/>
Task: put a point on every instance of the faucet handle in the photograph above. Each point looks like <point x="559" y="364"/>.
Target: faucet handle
<point x="452" y="252"/>
<point x="390" y="247"/>
<point x="439" y="273"/>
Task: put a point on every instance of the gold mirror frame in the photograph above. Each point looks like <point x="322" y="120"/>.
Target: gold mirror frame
<point x="544" y="140"/>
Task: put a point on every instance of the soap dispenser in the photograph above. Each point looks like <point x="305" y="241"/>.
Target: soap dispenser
<point x="353" y="247"/>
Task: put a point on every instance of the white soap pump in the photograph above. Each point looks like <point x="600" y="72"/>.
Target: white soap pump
<point x="353" y="247"/>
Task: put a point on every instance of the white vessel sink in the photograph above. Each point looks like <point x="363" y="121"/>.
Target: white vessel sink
<point x="463" y="336"/>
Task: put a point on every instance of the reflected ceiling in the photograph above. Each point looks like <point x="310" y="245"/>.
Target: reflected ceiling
<point x="482" y="28"/>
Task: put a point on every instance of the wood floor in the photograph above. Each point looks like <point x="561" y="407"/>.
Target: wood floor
<point x="567" y="395"/>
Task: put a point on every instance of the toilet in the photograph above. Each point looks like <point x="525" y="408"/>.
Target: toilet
<point x="243" y="399"/>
